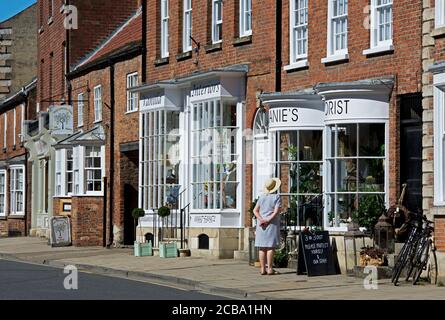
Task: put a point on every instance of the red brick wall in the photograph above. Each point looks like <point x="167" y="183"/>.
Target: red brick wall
<point x="86" y="220"/>
<point x="439" y="232"/>
<point x="97" y="20"/>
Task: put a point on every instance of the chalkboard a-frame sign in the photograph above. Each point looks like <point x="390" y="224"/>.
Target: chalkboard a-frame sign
<point x="60" y="231"/>
<point x="315" y="254"/>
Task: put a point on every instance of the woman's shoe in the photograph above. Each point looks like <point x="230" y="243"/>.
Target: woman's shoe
<point x="273" y="272"/>
<point x="263" y="273"/>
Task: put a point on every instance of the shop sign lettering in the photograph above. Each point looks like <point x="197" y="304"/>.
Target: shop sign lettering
<point x="200" y="91"/>
<point x="283" y="115"/>
<point x="151" y="102"/>
<point x="337" y="107"/>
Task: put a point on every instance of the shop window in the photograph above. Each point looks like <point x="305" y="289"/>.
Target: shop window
<point x="355" y="170"/>
<point x="160" y="159"/>
<point x="132" y="97"/>
<point x="217" y="7"/>
<point x="93" y="169"/>
<point x="298" y="30"/>
<point x="17" y="190"/>
<point x="214" y="155"/>
<point x="245" y="18"/>
<point x="203" y="242"/>
<point x="439" y="13"/>
<point x="300" y="168"/>
<point x="164" y="29"/>
<point x="2" y="193"/>
<point x="69" y="171"/>
<point x="337" y="27"/>
<point x="187" y="26"/>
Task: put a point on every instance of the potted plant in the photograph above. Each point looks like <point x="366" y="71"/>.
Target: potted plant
<point x="292" y="149"/>
<point x="140" y="248"/>
<point x="369" y="210"/>
<point x="166" y="249"/>
<point x="281" y="258"/>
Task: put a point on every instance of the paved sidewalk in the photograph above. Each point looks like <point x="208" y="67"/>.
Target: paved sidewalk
<point x="229" y="278"/>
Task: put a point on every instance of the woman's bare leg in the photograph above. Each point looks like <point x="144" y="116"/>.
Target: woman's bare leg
<point x="270" y="253"/>
<point x="262" y="257"/>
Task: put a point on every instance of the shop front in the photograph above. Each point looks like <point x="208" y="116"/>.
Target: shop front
<point x="330" y="149"/>
<point x="191" y="159"/>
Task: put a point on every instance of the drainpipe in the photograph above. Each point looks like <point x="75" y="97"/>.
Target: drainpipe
<point x="67" y="62"/>
<point x="278" y="48"/>
<point x="111" y="175"/>
<point x="144" y="42"/>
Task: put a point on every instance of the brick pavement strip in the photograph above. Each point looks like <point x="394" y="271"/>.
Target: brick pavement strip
<point x="230" y="278"/>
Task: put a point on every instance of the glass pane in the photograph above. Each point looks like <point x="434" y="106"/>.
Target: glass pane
<point x="347" y="140"/>
<point x="371" y="175"/>
<point x="346" y="175"/>
<point x="229" y="114"/>
<point x="229" y="194"/>
<point x="310" y="180"/>
<point x="310" y="147"/>
<point x="346" y="206"/>
<point x="288" y="146"/>
<point x="370" y="208"/>
<point x="372" y="139"/>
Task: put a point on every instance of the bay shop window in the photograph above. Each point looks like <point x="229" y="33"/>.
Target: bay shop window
<point x="159" y="147"/>
<point x="80" y="171"/>
<point x="214" y="155"/>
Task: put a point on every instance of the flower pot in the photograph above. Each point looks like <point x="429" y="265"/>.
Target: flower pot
<point x="143" y="249"/>
<point x="168" y="250"/>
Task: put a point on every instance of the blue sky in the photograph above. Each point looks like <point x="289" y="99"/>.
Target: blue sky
<point x="8" y="8"/>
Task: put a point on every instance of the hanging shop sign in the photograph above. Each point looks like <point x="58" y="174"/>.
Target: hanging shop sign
<point x="337" y="110"/>
<point x="61" y="120"/>
<point x="288" y="118"/>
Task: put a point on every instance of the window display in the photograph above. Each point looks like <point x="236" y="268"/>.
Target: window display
<point x="356" y="170"/>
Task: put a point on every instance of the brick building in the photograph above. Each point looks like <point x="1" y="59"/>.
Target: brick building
<point x="306" y="80"/>
<point x="18" y="51"/>
<point x="67" y="32"/>
<point x="14" y="176"/>
<point x="433" y="81"/>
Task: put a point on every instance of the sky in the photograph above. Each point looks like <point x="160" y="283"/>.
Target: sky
<point x="9" y="8"/>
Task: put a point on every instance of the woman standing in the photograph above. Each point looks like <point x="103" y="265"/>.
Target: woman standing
<point x="267" y="236"/>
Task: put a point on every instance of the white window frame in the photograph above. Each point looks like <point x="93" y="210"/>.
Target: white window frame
<point x="13" y="191"/>
<point x="132" y="97"/>
<point x="187" y="26"/>
<point x="333" y="53"/>
<point x="5" y="130"/>
<point x="14" y="139"/>
<point x="80" y="108"/>
<point x="164" y="28"/>
<point x="85" y="169"/>
<point x="59" y="176"/>
<point x="302" y="26"/>
<point x="97" y="103"/>
<point x="245" y="18"/>
<point x="439" y="16"/>
<point x="376" y="44"/>
<point x="216" y="36"/>
<point x="77" y="172"/>
<point x="439" y="139"/>
<point x="4" y="193"/>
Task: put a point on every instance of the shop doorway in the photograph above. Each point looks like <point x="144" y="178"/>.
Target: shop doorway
<point x="411" y="149"/>
<point x="129" y="173"/>
<point x="130" y="201"/>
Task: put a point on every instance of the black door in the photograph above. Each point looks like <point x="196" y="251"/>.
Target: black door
<point x="411" y="150"/>
<point x="130" y="202"/>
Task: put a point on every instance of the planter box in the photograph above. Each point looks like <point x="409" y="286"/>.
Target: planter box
<point x="143" y="249"/>
<point x="168" y="250"/>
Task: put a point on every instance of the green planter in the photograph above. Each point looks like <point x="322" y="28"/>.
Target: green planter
<point x="168" y="250"/>
<point x="143" y="249"/>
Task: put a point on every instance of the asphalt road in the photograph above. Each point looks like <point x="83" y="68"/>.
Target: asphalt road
<point x="22" y="281"/>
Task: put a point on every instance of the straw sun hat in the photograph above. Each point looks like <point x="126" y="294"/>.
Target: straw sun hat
<point x="272" y="185"/>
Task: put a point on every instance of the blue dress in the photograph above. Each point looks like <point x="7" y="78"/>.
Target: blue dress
<point x="268" y="237"/>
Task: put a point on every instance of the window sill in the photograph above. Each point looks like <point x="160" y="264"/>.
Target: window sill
<point x="99" y="194"/>
<point x="3" y="217"/>
<point x="335" y="58"/>
<point x="50" y="21"/>
<point x="16" y="216"/>
<point x="4" y="150"/>
<point x="161" y="61"/>
<point x="97" y="121"/>
<point x="80" y="126"/>
<point x="438" y="32"/>
<point x="247" y="39"/>
<point x="297" y="65"/>
<point x="132" y="111"/>
<point x="379" y="50"/>
<point x="41" y="30"/>
<point x="213" y="47"/>
<point x="184" y="56"/>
